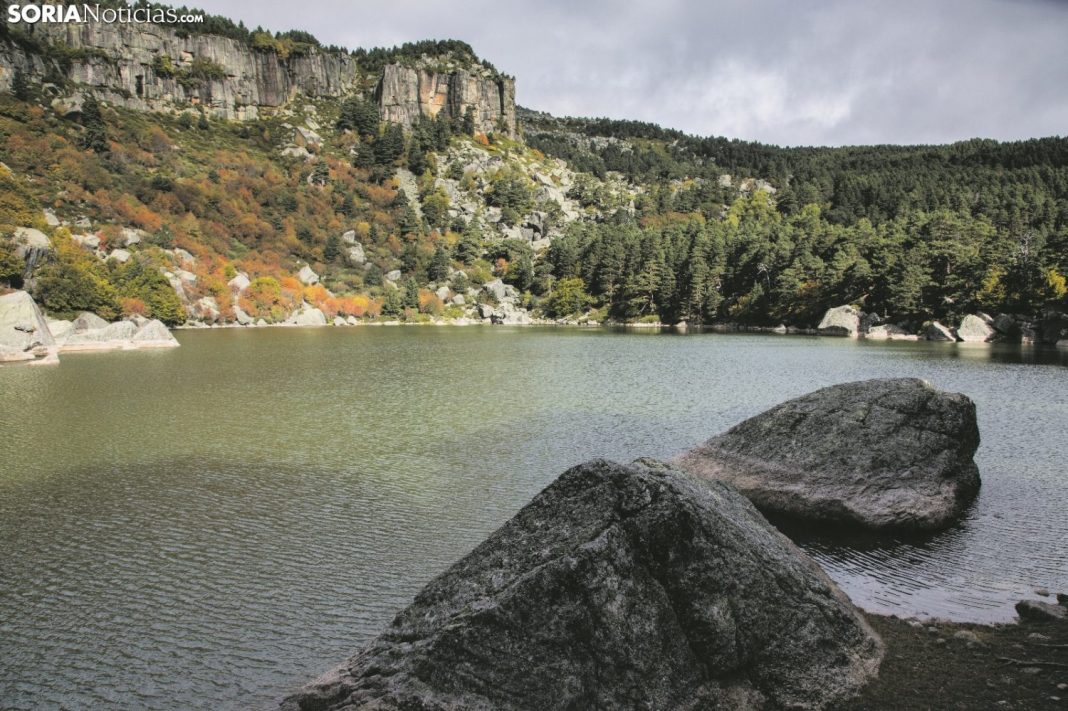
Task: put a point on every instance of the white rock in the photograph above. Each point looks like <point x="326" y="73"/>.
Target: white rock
<point x="241" y="317"/>
<point x="208" y="307"/>
<point x="307" y="276"/>
<point x="973" y="329"/>
<point x="356" y="254"/>
<point x="184" y="256"/>
<point x="132" y="236"/>
<point x="338" y="321"/>
<point x="24" y="333"/>
<point x="154" y="335"/>
<point x="28" y="239"/>
<point x="90" y="242"/>
<point x="87" y="321"/>
<point x="50" y="217"/>
<point x="308" y="316"/>
<point x="119" y="255"/>
<point x="393" y="275"/>
<point x="840" y="321"/>
<point x="349" y="237"/>
<point x="239" y="282"/>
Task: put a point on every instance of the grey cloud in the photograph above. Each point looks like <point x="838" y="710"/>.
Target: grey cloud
<point x="793" y="73"/>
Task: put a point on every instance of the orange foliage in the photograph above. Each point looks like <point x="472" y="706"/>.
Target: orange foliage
<point x="133" y="307"/>
<point x="429" y="303"/>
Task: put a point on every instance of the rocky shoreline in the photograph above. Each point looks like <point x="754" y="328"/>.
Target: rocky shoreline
<point x="26" y="335"/>
<point x="661" y="585"/>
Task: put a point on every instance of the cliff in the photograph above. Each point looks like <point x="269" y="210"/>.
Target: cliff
<point x="149" y="67"/>
<point x="406" y="92"/>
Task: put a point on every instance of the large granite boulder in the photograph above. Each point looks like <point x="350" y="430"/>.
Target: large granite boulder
<point x="24" y="333"/>
<point x="617" y="587"/>
<point x="881" y="454"/>
<point x="840" y="321"/>
<point x="974" y="329"/>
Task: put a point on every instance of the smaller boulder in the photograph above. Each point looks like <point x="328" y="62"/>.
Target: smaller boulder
<point x="356" y="254"/>
<point x="87" y="321"/>
<point x="1041" y="611"/>
<point x="239" y="282"/>
<point x="154" y="335"/>
<point x="90" y="242"/>
<point x="307" y="276"/>
<point x="879" y="454"/>
<point x="935" y="331"/>
<point x="119" y="255"/>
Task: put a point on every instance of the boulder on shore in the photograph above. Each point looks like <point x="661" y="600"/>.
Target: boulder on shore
<point x="889" y="332"/>
<point x="24" y="333"/>
<point x="840" y="321"/>
<point x="617" y="587"/>
<point x="880" y="454"/>
<point x="935" y="331"/>
<point x="974" y="329"/>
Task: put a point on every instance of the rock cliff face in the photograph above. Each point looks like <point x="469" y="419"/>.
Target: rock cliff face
<point x="404" y="93"/>
<point x="149" y="67"/>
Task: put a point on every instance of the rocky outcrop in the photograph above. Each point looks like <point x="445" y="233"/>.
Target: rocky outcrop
<point x="880" y="454"/>
<point x="92" y="333"/>
<point x="840" y="321"/>
<point x="149" y="67"/>
<point x="617" y="587"/>
<point x="145" y="67"/>
<point x="24" y="333"/>
<point x="407" y="92"/>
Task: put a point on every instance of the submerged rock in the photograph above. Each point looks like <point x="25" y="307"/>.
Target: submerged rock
<point x="617" y="587"/>
<point x="893" y="453"/>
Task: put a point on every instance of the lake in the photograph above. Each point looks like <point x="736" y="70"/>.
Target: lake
<point x="211" y="526"/>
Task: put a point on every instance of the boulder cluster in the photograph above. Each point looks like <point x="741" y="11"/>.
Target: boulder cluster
<point x="848" y="321"/>
<point x="26" y="335"/>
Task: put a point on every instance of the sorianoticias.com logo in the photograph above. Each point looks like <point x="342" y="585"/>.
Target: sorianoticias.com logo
<point x="32" y="14"/>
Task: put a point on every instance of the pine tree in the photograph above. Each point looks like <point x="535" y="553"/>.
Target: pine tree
<point x="438" y="271"/>
<point x="19" y="86"/>
<point x="96" y="135"/>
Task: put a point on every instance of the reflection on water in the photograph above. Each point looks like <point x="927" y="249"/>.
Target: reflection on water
<point x="207" y="527"/>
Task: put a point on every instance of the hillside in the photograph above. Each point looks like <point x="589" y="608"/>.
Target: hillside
<point x="226" y="174"/>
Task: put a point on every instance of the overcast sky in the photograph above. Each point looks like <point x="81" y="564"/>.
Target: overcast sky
<point x="792" y="72"/>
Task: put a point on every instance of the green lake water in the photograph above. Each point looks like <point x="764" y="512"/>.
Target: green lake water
<point x="210" y="526"/>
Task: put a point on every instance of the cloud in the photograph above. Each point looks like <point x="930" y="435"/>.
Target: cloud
<point x="779" y="71"/>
